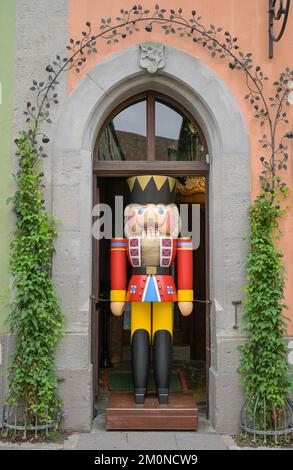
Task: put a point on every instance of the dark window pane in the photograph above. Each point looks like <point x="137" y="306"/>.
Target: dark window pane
<point x="125" y="138"/>
<point x="177" y="138"/>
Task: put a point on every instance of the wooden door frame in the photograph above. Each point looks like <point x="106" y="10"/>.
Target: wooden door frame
<point x="95" y="323"/>
<point x="131" y="168"/>
<point x="128" y="168"/>
<point x="208" y="290"/>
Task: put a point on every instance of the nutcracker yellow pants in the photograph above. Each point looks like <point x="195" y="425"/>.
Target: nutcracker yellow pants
<point x="151" y="317"/>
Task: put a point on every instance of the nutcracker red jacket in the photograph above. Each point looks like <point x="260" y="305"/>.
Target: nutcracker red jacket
<point x="149" y="283"/>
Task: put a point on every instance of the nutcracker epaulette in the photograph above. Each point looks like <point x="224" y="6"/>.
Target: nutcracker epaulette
<point x="134" y="251"/>
<point x="184" y="244"/>
<point x="118" y="244"/>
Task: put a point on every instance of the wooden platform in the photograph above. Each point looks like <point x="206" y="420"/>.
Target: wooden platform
<point x="180" y="414"/>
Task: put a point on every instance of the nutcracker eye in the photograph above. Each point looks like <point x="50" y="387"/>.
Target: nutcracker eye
<point x="140" y="211"/>
<point x="160" y="210"/>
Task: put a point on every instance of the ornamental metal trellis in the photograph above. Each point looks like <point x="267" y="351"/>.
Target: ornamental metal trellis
<point x="17" y="419"/>
<point x="261" y="417"/>
<point x="220" y="44"/>
<point x="276" y="15"/>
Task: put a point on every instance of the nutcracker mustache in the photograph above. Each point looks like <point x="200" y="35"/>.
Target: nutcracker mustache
<point x="150" y="224"/>
<point x="150" y="228"/>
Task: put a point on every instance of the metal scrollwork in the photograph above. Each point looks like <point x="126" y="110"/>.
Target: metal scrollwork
<point x="276" y="14"/>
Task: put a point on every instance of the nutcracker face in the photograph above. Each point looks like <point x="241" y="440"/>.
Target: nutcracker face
<point x="151" y="220"/>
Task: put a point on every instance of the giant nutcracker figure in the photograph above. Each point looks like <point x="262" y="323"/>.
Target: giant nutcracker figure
<point x="151" y="243"/>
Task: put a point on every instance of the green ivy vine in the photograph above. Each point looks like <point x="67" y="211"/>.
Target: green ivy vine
<point x="36" y="317"/>
<point x="264" y="365"/>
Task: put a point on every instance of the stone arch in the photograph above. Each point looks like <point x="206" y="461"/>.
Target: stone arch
<point x="211" y="102"/>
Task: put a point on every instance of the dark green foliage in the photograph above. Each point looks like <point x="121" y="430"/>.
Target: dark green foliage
<point x="264" y="364"/>
<point x="36" y="317"/>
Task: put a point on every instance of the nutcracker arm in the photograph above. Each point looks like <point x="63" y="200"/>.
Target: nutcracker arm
<point x="118" y="270"/>
<point x="185" y="270"/>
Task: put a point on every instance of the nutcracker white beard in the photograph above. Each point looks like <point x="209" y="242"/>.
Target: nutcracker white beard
<point x="151" y="221"/>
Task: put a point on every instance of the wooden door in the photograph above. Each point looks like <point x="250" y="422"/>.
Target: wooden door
<point x="94" y="304"/>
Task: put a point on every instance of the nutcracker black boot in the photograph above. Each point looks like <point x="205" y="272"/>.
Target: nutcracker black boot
<point x="162" y="354"/>
<point x="140" y="359"/>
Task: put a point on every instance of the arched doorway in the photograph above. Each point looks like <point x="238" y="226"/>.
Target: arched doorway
<point x="217" y="112"/>
<point x="151" y="127"/>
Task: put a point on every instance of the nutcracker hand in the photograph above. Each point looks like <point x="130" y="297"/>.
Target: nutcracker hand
<point x="185" y="308"/>
<point x="117" y="308"/>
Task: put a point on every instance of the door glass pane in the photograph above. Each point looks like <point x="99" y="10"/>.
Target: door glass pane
<point x="177" y="138"/>
<point x="125" y="138"/>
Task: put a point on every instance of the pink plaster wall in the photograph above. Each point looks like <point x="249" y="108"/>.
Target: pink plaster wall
<point x="245" y="19"/>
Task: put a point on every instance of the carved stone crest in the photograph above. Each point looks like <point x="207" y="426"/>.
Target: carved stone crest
<point x="152" y="56"/>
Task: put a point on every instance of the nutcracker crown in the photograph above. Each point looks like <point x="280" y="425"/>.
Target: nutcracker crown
<point x="151" y="189"/>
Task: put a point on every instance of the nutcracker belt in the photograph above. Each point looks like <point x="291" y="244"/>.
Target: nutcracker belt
<point x="152" y="270"/>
